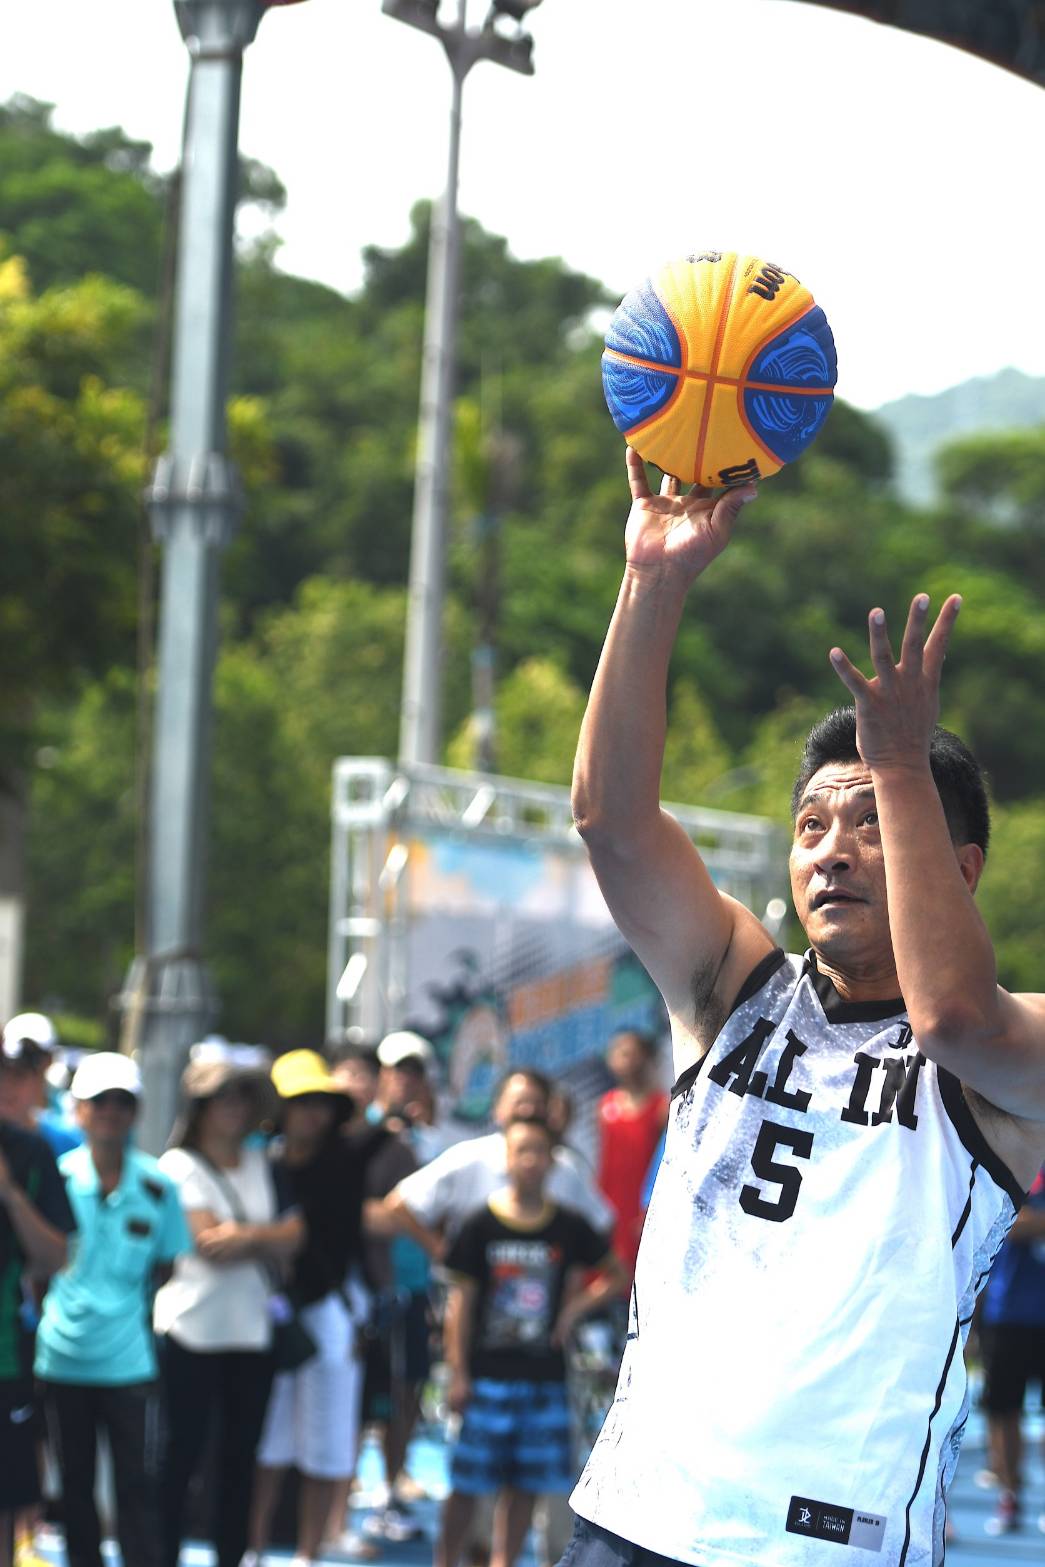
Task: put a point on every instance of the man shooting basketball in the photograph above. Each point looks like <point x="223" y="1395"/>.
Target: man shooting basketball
<point x="841" y="1164"/>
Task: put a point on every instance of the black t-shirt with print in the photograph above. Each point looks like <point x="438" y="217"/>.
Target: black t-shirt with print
<point x="520" y="1273"/>
<point x="33" y="1168"/>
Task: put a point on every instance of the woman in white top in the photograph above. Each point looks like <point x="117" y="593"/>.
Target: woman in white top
<point x="212" y="1319"/>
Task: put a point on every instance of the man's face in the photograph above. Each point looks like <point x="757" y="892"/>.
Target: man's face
<point x="21" y="1092"/>
<point x="520" y="1096"/>
<point x="357" y="1080"/>
<point x="401" y="1087"/>
<point x="108" y="1117"/>
<point x="626" y="1059"/>
<point x="528" y="1156"/>
<point x="837" y="866"/>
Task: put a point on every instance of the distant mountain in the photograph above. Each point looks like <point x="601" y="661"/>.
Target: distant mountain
<point x="919" y="425"/>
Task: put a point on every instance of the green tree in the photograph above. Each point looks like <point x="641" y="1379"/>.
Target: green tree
<point x="71" y="469"/>
<point x="1010" y="892"/>
<point x="538" y="714"/>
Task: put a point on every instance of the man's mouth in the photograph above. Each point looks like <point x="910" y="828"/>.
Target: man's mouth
<point x="833" y="895"/>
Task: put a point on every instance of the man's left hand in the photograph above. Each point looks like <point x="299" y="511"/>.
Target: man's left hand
<point x="897" y="709"/>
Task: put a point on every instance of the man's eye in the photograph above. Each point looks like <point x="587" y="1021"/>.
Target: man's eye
<point x="811" y="824"/>
<point x="871" y="819"/>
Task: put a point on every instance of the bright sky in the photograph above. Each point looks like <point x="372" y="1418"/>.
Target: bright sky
<point x="897" y="177"/>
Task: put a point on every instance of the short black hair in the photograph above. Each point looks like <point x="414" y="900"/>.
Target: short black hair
<point x="957" y="774"/>
<point x="540" y="1080"/>
<point x="646" y="1042"/>
<point x="356" y="1050"/>
<point x="531" y="1120"/>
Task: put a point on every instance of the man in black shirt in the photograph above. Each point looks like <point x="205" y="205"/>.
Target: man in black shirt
<point x="35" y="1219"/>
<point x="516" y="1293"/>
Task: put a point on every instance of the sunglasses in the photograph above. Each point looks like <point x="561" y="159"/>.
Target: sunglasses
<point x="115" y="1099"/>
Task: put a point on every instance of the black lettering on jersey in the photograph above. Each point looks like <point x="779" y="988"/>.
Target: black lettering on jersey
<point x="903" y="1038"/>
<point x="786" y="1176"/>
<point x="778" y="1094"/>
<point x="854" y="1112"/>
<point x="740" y="1063"/>
<point x="900" y="1088"/>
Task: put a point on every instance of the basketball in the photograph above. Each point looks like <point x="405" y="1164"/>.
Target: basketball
<point x="719" y="369"/>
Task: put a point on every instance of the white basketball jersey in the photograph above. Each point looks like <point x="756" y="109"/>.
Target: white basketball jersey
<point x="793" y="1389"/>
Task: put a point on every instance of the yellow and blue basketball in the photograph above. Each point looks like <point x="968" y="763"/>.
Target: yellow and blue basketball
<point x="720" y="368"/>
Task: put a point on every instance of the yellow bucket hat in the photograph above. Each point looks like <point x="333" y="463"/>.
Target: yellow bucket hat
<point x="302" y="1072"/>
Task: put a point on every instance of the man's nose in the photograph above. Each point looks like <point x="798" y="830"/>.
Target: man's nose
<point x="835" y="849"/>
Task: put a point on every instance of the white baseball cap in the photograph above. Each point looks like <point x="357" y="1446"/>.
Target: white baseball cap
<point x="402" y="1046"/>
<point x="104" y="1071"/>
<point x="30" y="1028"/>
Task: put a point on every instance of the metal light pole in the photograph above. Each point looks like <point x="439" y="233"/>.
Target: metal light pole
<point x="193" y="500"/>
<point x="419" y="726"/>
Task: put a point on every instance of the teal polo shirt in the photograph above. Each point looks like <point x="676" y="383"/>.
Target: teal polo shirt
<point x="96" y="1326"/>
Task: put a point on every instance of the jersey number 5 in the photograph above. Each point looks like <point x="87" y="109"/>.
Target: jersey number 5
<point x="786" y="1176"/>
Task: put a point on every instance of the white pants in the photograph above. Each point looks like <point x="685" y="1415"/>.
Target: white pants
<point x="313" y="1413"/>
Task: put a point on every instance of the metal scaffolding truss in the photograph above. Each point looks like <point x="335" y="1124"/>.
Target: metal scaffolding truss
<point x="378" y="805"/>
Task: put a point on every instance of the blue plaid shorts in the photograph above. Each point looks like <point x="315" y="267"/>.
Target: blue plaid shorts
<point x="514" y="1434"/>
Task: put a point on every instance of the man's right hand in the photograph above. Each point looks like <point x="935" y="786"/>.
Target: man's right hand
<point x="459" y="1391"/>
<point x="675" y="537"/>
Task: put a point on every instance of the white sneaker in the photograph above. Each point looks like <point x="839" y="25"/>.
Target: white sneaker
<point x="351" y="1543"/>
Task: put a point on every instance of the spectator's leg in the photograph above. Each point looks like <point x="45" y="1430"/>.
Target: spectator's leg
<point x="275" y="1453"/>
<point x="340" y="1498"/>
<point x="511" y="1523"/>
<point x="453" y="1530"/>
<point x="245" y="1379"/>
<point x="268" y="1485"/>
<point x="1009" y="1436"/>
<point x="72" y="1416"/>
<point x="315" y="1499"/>
<point x="190" y="1392"/>
<point x="131" y="1416"/>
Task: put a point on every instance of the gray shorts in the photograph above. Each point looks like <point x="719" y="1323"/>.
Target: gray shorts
<point x="593" y="1546"/>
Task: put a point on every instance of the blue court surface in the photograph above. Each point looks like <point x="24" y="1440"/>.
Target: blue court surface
<point x="972" y="1506"/>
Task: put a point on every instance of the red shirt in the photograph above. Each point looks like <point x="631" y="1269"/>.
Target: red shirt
<point x="628" y="1137"/>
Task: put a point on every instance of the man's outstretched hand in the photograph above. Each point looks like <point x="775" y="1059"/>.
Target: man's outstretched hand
<point x="677" y="536"/>
<point x="897" y="709"/>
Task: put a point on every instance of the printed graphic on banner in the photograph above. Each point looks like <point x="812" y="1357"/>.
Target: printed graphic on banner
<point x="513" y="957"/>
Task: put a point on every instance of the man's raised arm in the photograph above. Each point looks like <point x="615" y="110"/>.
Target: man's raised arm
<point x="962" y="1019"/>
<point x="698" y="945"/>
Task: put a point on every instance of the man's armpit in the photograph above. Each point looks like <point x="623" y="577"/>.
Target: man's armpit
<point x="709" y="1009"/>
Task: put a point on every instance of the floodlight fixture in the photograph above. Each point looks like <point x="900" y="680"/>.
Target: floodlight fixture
<point x="516" y="9"/>
<point x="419" y="733"/>
<point x="415" y="13"/>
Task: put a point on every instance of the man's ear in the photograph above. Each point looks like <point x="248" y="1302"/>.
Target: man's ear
<point x="970" y="863"/>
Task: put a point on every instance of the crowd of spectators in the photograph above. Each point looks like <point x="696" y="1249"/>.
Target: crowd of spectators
<point x="286" y="1273"/>
<point x="245" y="1303"/>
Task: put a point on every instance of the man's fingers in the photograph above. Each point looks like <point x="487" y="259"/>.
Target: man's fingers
<point x="640" y="490"/>
<point x="881" y="649"/>
<point x="729" y="506"/>
<point x="940" y="635"/>
<point x="914" y="632"/>
<point x="669" y="485"/>
<point x="847" y="673"/>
